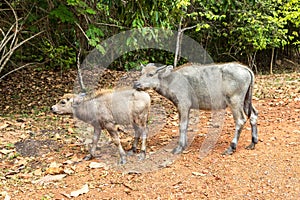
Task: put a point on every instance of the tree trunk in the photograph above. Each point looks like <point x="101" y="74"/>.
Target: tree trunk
<point x="271" y="63"/>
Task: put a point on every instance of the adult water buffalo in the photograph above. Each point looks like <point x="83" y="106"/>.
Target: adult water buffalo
<point x="205" y="87"/>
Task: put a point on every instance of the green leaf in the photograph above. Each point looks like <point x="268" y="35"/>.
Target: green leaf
<point x="90" y="11"/>
<point x="100" y="48"/>
<point x="63" y="13"/>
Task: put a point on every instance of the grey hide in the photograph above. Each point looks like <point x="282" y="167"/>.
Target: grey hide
<point x="106" y="111"/>
<point x="205" y="87"/>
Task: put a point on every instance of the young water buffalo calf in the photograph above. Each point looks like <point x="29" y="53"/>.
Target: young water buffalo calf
<point x="205" y="87"/>
<point x="107" y="109"/>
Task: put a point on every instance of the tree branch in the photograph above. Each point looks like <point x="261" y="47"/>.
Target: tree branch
<point x="82" y="31"/>
<point x="179" y="41"/>
<point x="80" y="80"/>
<point x="12" y="71"/>
<point x="7" y="56"/>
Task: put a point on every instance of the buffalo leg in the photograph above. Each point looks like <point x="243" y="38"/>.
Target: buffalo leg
<point x="253" y="122"/>
<point x="183" y="126"/>
<point x="144" y="133"/>
<point x="137" y="135"/>
<point x="114" y="134"/>
<point x="140" y="132"/>
<point x="97" y="131"/>
<point x="240" y="120"/>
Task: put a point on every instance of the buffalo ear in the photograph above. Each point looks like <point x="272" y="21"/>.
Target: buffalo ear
<point x="166" y="71"/>
<point x="169" y="68"/>
<point x="78" y="99"/>
<point x="144" y="67"/>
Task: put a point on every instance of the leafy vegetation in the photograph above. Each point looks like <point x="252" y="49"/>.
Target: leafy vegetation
<point x="254" y="32"/>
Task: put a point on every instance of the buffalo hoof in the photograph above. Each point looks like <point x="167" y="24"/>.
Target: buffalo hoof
<point x="178" y="150"/>
<point x="251" y="146"/>
<point x="88" y="157"/>
<point x="228" y="151"/>
<point x="131" y="151"/>
<point x="142" y="155"/>
<point x="122" y="161"/>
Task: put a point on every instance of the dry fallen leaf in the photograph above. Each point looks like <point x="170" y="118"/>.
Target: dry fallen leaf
<point x="174" y="123"/>
<point x="38" y="172"/>
<point x="5" y="195"/>
<point x="198" y="174"/>
<point x="3" y="125"/>
<point x="55" y="168"/>
<point x="25" y="176"/>
<point x="22" y="161"/>
<point x="70" y="130"/>
<point x="73" y="160"/>
<point x="68" y="162"/>
<point x="69" y="171"/>
<point x="57" y="136"/>
<point x="96" y="165"/>
<point x="5" y="151"/>
<point x="69" y="155"/>
<point x="49" y="178"/>
<point x="83" y="190"/>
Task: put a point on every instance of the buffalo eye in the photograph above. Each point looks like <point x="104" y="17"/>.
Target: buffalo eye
<point x="150" y="74"/>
